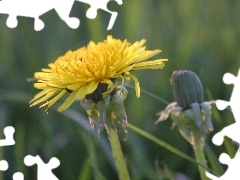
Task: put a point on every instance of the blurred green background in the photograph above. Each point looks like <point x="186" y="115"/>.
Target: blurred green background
<point x="202" y="36"/>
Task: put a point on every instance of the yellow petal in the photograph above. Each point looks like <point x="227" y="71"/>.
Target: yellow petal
<point x="149" y="54"/>
<point x="71" y="98"/>
<point x="40" y="75"/>
<point x="41" y="86"/>
<point x="40" y="94"/>
<point x="156" y="64"/>
<point x="74" y="86"/>
<point x="86" y="89"/>
<point x="92" y="87"/>
<point x="82" y="91"/>
<point x="44" y="98"/>
<point x="110" y="87"/>
<point x="46" y="70"/>
<point x="109" y="38"/>
<point x="128" y="68"/>
<point x="139" y="44"/>
<point x="57" y="97"/>
<point x="137" y="86"/>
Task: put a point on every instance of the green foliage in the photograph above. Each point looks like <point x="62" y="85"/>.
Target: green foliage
<point x="201" y="36"/>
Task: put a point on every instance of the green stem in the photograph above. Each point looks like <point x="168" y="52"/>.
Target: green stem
<point x="200" y="156"/>
<point x="118" y="155"/>
<point x="167" y="146"/>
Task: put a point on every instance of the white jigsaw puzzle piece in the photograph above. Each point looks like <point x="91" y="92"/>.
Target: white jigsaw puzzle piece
<point x="232" y="131"/>
<point x="9" y="140"/>
<point x="18" y="176"/>
<point x="233" y="167"/>
<point x="36" y="8"/>
<point x="3" y="165"/>
<point x="44" y="170"/>
<point x="101" y="4"/>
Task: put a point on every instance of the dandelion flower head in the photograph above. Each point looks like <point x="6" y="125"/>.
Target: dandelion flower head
<point x="80" y="72"/>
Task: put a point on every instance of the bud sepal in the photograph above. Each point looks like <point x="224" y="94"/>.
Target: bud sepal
<point x="105" y="112"/>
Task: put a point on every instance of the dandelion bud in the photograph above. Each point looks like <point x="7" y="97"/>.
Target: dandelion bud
<point x="187" y="88"/>
<point x="190" y="113"/>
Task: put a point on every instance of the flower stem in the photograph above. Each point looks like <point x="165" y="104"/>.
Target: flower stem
<point x="118" y="154"/>
<point x="200" y="157"/>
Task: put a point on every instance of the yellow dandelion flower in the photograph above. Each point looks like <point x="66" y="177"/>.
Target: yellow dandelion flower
<point x="80" y="72"/>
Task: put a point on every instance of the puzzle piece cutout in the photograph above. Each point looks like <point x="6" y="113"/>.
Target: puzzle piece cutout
<point x="8" y="133"/>
<point x="44" y="170"/>
<point x="36" y="8"/>
<point x="101" y="4"/>
<point x="8" y="141"/>
<point x="232" y="131"/>
<point x="3" y="165"/>
<point x="18" y="176"/>
<point x="233" y="167"/>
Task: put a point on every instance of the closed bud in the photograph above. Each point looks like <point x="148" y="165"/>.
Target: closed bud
<point x="187" y="88"/>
